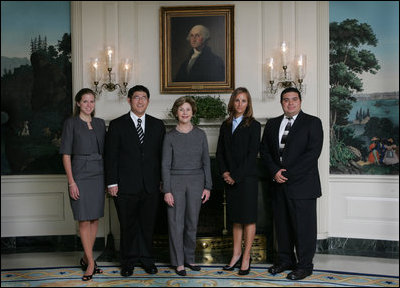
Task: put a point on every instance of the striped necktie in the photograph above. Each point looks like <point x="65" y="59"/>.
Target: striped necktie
<point x="140" y="130"/>
<point x="284" y="137"/>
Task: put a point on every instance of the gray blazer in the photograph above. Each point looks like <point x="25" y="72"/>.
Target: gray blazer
<point x="75" y="140"/>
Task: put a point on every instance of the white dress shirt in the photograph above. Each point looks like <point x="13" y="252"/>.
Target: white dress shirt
<point x="135" y="118"/>
<point x="284" y="122"/>
<point x="236" y="122"/>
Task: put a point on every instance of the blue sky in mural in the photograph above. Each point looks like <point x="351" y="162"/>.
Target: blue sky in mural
<point x="22" y="20"/>
<point x="383" y="16"/>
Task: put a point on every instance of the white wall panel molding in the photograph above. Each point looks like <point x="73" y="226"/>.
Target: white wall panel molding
<point x="364" y="206"/>
<point x="321" y="76"/>
<point x="35" y="205"/>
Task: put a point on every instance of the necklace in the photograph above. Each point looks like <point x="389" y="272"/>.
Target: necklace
<point x="187" y="130"/>
<point x="86" y="120"/>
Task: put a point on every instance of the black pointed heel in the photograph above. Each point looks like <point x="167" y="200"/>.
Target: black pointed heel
<point x="237" y="264"/>
<point x="83" y="264"/>
<point x="97" y="270"/>
<point x="247" y="271"/>
<point x="89" y="277"/>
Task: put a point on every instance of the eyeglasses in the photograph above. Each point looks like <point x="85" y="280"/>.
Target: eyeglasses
<point x="137" y="98"/>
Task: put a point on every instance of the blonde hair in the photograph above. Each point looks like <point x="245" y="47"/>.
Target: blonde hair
<point x="248" y="114"/>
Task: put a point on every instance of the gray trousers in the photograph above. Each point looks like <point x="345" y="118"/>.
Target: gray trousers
<point x="183" y="217"/>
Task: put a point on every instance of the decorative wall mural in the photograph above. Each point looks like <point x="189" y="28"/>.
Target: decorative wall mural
<point x="36" y="85"/>
<point x="364" y="87"/>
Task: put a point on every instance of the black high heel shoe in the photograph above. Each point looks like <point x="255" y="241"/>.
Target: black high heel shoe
<point x="97" y="270"/>
<point x="83" y="264"/>
<point x="237" y="264"/>
<point x="89" y="277"/>
<point x="247" y="271"/>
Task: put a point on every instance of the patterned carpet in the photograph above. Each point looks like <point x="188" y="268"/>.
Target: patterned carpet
<point x="209" y="276"/>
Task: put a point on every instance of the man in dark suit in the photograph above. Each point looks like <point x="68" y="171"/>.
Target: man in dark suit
<point x="133" y="175"/>
<point x="293" y="165"/>
<point x="202" y="64"/>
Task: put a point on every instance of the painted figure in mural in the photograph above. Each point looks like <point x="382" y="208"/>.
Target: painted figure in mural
<point x="237" y="150"/>
<point x="201" y="64"/>
<point x="390" y="157"/>
<point x="290" y="149"/>
<point x="82" y="146"/>
<point x="186" y="175"/>
<point x="374" y="147"/>
<point x="133" y="177"/>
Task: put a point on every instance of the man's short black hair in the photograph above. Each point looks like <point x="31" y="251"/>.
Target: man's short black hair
<point x="138" y="88"/>
<point x="290" y="89"/>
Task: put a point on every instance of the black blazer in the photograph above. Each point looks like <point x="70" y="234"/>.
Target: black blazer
<point x="300" y="156"/>
<point x="237" y="152"/>
<point x="129" y="164"/>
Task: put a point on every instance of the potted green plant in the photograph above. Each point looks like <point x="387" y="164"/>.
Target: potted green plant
<point x="208" y="107"/>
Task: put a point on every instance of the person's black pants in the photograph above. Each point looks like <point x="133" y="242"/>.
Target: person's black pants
<point x="295" y="229"/>
<point x="137" y="215"/>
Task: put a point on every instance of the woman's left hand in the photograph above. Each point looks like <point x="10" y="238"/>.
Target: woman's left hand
<point x="205" y="196"/>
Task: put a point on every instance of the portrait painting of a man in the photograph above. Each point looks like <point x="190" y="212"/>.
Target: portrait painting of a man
<point x="197" y="49"/>
<point x="201" y="63"/>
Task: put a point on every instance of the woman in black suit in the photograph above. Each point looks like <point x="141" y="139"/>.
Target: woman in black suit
<point x="237" y="150"/>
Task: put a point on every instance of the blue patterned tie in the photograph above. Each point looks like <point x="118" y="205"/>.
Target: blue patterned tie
<point x="284" y="137"/>
<point x="140" y="130"/>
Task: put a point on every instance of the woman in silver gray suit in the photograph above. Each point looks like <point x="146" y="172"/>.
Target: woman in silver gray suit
<point x="187" y="183"/>
<point x="82" y="146"/>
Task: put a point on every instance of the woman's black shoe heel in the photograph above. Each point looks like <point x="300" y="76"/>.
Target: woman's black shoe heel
<point x="89" y="277"/>
<point x="245" y="272"/>
<point x="237" y="264"/>
<point x="83" y="264"/>
<point x="97" y="270"/>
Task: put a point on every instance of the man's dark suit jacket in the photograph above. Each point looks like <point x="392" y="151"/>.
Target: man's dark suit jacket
<point x="128" y="163"/>
<point x="208" y="67"/>
<point x="300" y="156"/>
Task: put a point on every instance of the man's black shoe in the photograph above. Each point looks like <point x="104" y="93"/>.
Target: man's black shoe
<point x="276" y="269"/>
<point x="127" y="270"/>
<point x="299" y="274"/>
<point x="150" y="269"/>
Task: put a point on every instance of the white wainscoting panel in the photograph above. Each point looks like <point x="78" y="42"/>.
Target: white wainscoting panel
<point x="35" y="205"/>
<point x="364" y="206"/>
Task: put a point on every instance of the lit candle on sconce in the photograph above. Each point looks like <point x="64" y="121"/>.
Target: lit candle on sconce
<point x="271" y="68"/>
<point x="284" y="50"/>
<point x="109" y="57"/>
<point x="301" y="62"/>
<point x="95" y="64"/>
<point x="126" y="67"/>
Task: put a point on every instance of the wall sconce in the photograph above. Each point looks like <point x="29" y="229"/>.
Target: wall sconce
<point x="284" y="79"/>
<point x="110" y="86"/>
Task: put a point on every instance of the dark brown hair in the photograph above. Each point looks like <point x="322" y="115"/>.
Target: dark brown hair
<point x="78" y="98"/>
<point x="182" y="100"/>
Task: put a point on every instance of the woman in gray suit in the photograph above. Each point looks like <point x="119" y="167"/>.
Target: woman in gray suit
<point x="82" y="144"/>
<point x="187" y="183"/>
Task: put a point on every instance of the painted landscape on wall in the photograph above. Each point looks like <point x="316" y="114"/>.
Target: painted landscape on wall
<point x="364" y="87"/>
<point x="36" y="85"/>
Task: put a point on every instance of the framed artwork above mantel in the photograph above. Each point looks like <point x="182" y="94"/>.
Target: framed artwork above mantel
<point x="197" y="49"/>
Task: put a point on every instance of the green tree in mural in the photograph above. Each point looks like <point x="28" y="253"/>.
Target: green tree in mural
<point x="348" y="59"/>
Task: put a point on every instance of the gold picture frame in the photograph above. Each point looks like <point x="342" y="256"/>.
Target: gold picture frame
<point x="213" y="68"/>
